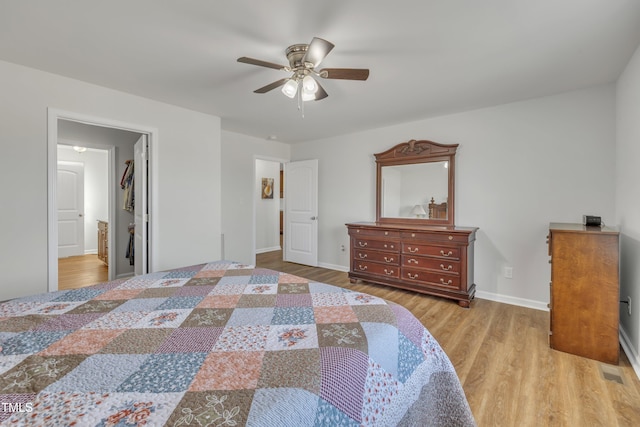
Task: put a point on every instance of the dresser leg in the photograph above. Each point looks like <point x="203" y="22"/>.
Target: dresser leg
<point x="352" y="280"/>
<point x="464" y="304"/>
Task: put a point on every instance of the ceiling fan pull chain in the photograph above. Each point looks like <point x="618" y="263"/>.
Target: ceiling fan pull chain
<point x="300" y="101"/>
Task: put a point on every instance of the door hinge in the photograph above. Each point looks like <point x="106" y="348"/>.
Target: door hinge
<point x="146" y="217"/>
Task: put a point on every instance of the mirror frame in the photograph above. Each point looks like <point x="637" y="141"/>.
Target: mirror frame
<point x="413" y="152"/>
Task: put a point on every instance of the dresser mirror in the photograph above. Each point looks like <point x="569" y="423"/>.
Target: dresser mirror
<point x="415" y="183"/>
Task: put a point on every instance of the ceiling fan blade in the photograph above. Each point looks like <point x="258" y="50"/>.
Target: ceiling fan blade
<point x="271" y="86"/>
<point x="260" y="63"/>
<point x="320" y="93"/>
<point x="318" y="49"/>
<point x="345" y="73"/>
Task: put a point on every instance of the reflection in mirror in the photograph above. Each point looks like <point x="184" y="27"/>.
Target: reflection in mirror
<point x="407" y="188"/>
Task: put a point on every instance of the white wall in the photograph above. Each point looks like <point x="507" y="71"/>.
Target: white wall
<point x="267" y="210"/>
<point x="628" y="201"/>
<point x="238" y="189"/>
<point x="519" y="166"/>
<point x="96" y="190"/>
<point x="186" y="167"/>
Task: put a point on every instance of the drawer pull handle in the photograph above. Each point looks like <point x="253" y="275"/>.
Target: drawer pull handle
<point x="388" y="259"/>
<point x="450" y="237"/>
<point x="448" y="282"/>
<point x="412" y="276"/>
<point x="388" y="273"/>
<point x="361" y="267"/>
<point x="362" y="244"/>
<point x="447" y="254"/>
<point x="446" y="268"/>
<point x="362" y="256"/>
<point x="412" y="250"/>
<point x="412" y="261"/>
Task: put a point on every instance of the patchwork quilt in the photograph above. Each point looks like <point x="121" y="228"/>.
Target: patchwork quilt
<point x="221" y="344"/>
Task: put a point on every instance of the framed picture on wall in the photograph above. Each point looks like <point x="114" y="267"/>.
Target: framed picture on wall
<point x="267" y="188"/>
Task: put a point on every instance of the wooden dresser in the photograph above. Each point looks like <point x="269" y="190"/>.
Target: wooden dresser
<point x="428" y="259"/>
<point x="103" y="241"/>
<point x="584" y="288"/>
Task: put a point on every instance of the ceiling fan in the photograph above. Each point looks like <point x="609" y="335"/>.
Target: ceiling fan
<point x="303" y="60"/>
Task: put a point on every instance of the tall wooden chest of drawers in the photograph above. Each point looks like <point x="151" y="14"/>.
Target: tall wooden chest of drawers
<point x="584" y="288"/>
<point x="428" y="259"/>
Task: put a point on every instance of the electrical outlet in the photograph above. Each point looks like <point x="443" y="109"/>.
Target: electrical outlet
<point x="629" y="305"/>
<point x="342" y="248"/>
<point x="508" y="272"/>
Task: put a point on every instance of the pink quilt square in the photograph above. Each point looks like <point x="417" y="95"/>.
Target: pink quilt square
<point x="290" y="278"/>
<point x="221" y="371"/>
<point x="219" y="301"/>
<point x="210" y="273"/>
<point x="119" y="294"/>
<point x="85" y="341"/>
<point x="338" y="314"/>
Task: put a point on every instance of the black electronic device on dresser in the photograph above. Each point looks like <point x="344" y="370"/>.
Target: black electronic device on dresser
<point x="414" y="244"/>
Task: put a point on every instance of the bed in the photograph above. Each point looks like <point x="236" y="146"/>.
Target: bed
<point x="221" y="344"/>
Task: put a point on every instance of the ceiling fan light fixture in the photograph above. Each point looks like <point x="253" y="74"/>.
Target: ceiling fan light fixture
<point x="308" y="96"/>
<point x="309" y="84"/>
<point x="290" y="88"/>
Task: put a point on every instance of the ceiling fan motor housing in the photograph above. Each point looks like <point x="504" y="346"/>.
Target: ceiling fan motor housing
<point x="295" y="54"/>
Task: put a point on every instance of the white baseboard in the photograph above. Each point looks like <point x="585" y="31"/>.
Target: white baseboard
<point x="91" y="252"/>
<point x="271" y="249"/>
<point x="125" y="275"/>
<point x="634" y="358"/>
<point x="333" y="267"/>
<point x="522" y="302"/>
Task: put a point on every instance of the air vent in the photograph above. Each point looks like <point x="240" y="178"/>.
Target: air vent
<point x="612" y="373"/>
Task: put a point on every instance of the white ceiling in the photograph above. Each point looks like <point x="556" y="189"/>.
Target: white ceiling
<point x="427" y="57"/>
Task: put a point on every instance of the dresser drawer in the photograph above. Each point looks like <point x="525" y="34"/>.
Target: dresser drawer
<point x="375" y="268"/>
<point x="387" y="234"/>
<point x="447" y="265"/>
<point x="383" y="257"/>
<point x="431" y="250"/>
<point x="383" y="245"/>
<point x="417" y="236"/>
<point x="444" y="280"/>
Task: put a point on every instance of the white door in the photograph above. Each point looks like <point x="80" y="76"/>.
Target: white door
<point x="141" y="212"/>
<point x="70" y="209"/>
<point x="301" y="212"/>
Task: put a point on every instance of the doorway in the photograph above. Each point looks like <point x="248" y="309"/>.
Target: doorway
<point x="297" y="234"/>
<point x="117" y="140"/>
<point x="268" y="205"/>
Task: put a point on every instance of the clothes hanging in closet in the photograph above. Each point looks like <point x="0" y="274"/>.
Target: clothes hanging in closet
<point x="127" y="184"/>
<point x="131" y="244"/>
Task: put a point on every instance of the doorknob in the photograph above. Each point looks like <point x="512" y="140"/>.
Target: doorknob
<point x="80" y="215"/>
<point x="313" y="218"/>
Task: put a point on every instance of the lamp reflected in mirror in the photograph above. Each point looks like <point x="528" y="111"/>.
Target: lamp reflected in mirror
<point x="418" y="211"/>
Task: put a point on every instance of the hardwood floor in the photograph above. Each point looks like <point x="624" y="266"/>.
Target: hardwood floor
<point x="80" y="271"/>
<point x="502" y="357"/>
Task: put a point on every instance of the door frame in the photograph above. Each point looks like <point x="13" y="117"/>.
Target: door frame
<point x="53" y="115"/>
